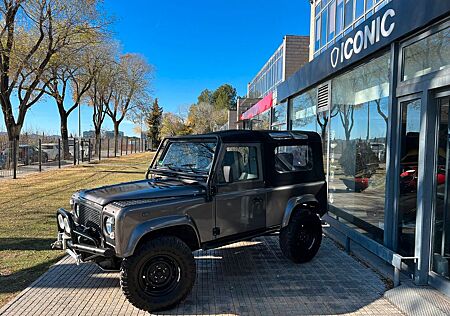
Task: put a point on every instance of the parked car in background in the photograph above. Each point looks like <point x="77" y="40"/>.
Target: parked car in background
<point x="52" y="150"/>
<point x="28" y="154"/>
<point x="3" y="161"/>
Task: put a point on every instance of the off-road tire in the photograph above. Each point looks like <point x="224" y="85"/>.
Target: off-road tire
<point x="134" y="273"/>
<point x="301" y="238"/>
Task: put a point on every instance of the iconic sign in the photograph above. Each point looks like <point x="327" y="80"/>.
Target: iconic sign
<point x="372" y="33"/>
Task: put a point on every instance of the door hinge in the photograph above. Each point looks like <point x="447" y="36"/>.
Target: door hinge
<point x="216" y="231"/>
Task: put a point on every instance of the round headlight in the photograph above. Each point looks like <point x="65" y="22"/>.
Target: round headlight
<point x="60" y="221"/>
<point x="66" y="225"/>
<point x="109" y="226"/>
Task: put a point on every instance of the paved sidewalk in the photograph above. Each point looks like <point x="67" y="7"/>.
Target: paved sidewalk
<point x="247" y="278"/>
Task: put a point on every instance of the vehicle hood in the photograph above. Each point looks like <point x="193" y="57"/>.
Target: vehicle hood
<point x="143" y="189"/>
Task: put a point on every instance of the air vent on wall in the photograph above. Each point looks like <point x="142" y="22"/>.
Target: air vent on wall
<point x="323" y="97"/>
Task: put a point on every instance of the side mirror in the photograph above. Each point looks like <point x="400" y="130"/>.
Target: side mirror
<point x="227" y="174"/>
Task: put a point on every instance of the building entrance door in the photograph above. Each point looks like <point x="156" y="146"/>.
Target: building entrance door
<point x="410" y="111"/>
<point x="440" y="258"/>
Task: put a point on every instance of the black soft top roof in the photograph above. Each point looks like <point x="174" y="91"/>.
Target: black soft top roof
<point x="248" y="136"/>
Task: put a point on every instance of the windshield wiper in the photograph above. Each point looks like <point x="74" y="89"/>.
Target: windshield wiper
<point x="169" y="166"/>
<point x="190" y="166"/>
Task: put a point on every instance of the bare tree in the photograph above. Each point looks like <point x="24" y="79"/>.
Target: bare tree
<point x="31" y="33"/>
<point x="71" y="70"/>
<point x="101" y="89"/>
<point x="131" y="81"/>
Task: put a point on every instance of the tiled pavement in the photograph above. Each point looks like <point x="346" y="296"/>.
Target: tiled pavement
<point x="246" y="278"/>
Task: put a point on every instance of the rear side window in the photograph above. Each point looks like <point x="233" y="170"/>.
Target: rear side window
<point x="293" y="158"/>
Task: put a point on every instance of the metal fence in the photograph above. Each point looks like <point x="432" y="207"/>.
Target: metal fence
<point x="35" y="154"/>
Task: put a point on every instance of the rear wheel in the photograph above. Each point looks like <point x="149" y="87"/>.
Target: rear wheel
<point x="159" y="275"/>
<point x="301" y="238"/>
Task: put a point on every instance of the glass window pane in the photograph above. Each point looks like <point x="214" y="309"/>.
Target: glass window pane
<point x="318" y="7"/>
<point x="359" y="8"/>
<point x="317" y="34"/>
<point x="358" y="134"/>
<point x="323" y="35"/>
<point x="339" y="16"/>
<point x="261" y="121"/>
<point x="332" y="21"/>
<point x="427" y="55"/>
<point x="348" y="13"/>
<point x="369" y="4"/>
<point x="409" y="162"/>
<point x="279" y="113"/>
<point x="242" y="163"/>
<point x="303" y="111"/>
<point x="441" y="238"/>
<point x="293" y="158"/>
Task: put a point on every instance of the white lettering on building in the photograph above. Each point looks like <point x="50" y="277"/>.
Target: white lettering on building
<point x="381" y="27"/>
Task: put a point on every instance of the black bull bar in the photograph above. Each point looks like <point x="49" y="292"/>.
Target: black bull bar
<point x="69" y="233"/>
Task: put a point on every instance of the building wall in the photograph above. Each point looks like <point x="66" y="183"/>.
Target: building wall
<point x="286" y="60"/>
<point x="296" y="53"/>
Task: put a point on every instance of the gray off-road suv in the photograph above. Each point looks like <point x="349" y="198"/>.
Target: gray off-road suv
<point x="200" y="192"/>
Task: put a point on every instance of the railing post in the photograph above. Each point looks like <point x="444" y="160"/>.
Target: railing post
<point x="14" y="152"/>
<point x="59" y="153"/>
<point x="89" y="150"/>
<point x="74" y="152"/>
<point x="100" y="149"/>
<point x="115" y="146"/>
<point x="82" y="150"/>
<point x="40" y="155"/>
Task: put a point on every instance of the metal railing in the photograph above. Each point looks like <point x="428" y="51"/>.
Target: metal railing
<point x="36" y="154"/>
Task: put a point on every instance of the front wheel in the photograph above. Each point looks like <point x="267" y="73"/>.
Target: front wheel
<point x="159" y="275"/>
<point x="301" y="238"/>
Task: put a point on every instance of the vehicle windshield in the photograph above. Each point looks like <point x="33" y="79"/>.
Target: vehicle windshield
<point x="187" y="157"/>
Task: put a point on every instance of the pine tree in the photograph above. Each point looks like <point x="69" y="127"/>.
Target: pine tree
<point x="153" y="121"/>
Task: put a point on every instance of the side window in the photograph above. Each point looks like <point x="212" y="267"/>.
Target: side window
<point x="240" y="163"/>
<point x="293" y="158"/>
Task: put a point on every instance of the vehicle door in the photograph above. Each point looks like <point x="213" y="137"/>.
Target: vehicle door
<point x="240" y="200"/>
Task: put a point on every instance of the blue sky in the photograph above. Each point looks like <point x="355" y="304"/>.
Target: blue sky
<point x="193" y="45"/>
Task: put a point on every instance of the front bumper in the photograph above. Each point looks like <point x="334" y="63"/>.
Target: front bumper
<point x="77" y="240"/>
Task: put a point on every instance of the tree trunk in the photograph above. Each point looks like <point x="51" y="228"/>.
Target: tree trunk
<point x="14" y="137"/>
<point x="64" y="135"/>
<point x="116" y="137"/>
<point x="98" y="140"/>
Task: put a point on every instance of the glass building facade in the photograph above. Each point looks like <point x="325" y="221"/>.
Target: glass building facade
<point x="269" y="76"/>
<point x="383" y="118"/>
<point x="335" y="18"/>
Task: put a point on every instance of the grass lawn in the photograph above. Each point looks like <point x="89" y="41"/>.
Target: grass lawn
<point x="27" y="215"/>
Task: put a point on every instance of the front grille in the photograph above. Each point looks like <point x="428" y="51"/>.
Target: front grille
<point x="89" y="216"/>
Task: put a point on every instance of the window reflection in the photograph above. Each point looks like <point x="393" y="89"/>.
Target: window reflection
<point x="441" y="238"/>
<point x="409" y="161"/>
<point x="261" y="121"/>
<point x="427" y="55"/>
<point x="359" y="117"/>
<point x="279" y="117"/>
